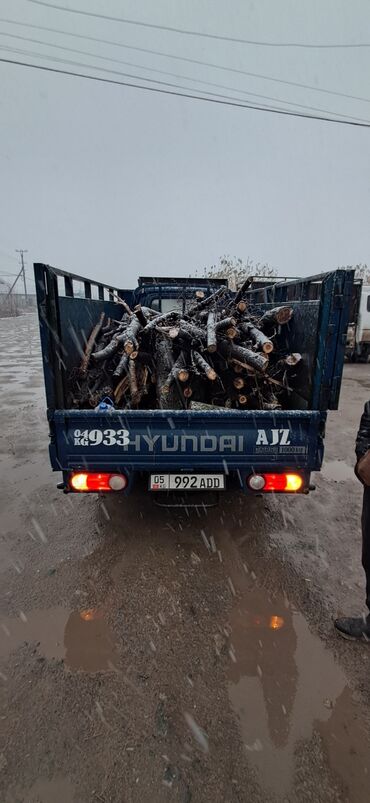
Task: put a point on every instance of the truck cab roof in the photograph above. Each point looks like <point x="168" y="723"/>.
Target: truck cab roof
<point x="180" y="281"/>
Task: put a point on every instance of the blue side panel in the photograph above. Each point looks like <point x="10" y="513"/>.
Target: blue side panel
<point x="52" y="348"/>
<point x="326" y="338"/>
<point x="69" y="306"/>
<point x="139" y="440"/>
<point x="335" y="309"/>
<point x="344" y="319"/>
<point x="77" y="318"/>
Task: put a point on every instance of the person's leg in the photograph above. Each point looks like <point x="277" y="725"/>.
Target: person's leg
<point x="365" y="521"/>
<point x="359" y="627"/>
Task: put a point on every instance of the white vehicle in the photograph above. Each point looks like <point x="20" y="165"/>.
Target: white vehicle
<point x="358" y="334"/>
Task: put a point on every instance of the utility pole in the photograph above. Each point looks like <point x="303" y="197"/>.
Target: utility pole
<point x="14" y="283"/>
<point x="22" y="251"/>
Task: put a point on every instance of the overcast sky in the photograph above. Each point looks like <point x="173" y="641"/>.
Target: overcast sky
<point x="112" y="182"/>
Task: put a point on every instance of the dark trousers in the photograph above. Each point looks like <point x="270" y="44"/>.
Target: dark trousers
<point x="366" y="541"/>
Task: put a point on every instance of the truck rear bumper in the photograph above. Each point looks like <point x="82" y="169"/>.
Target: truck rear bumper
<point x="236" y="480"/>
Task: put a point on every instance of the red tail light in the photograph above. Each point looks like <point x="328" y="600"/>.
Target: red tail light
<point x="84" y="481"/>
<point x="283" y="483"/>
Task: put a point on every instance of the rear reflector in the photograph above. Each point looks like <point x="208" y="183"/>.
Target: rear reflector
<point x="257" y="482"/>
<point x="283" y="483"/>
<point x="84" y="481"/>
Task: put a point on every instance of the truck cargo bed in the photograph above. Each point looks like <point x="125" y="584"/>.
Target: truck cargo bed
<point x="236" y="443"/>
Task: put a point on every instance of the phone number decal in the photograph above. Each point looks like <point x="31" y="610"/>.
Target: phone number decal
<point x="103" y="437"/>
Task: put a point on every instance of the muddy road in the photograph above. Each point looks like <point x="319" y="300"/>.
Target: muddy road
<point x="153" y="655"/>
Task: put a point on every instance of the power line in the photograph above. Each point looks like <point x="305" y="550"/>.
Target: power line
<point x="165" y="83"/>
<point x="231" y="103"/>
<point x="123" y="74"/>
<point x="173" y="56"/>
<point x="185" y="32"/>
<point x="162" y="72"/>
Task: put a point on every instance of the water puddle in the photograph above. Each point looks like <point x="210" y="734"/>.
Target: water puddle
<point x="24" y="462"/>
<point x="57" y="790"/>
<point x="88" y="642"/>
<point x="81" y="638"/>
<point x="284" y="686"/>
<point x="20" y="360"/>
<point x="338" y="471"/>
<point x="29" y="475"/>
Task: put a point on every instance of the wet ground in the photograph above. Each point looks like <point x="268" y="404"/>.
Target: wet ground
<point x="153" y="655"/>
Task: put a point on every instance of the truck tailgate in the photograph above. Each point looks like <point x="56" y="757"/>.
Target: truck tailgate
<point x="225" y="440"/>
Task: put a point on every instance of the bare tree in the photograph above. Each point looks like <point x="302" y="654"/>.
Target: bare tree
<point x="362" y="271"/>
<point x="237" y="270"/>
<point x="8" y="304"/>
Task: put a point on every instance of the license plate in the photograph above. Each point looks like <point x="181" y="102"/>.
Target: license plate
<point x="187" y="482"/>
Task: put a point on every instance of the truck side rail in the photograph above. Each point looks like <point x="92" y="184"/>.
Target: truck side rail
<point x="68" y="307"/>
<point x="334" y="292"/>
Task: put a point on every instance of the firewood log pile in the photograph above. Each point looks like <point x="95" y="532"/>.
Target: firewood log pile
<point x="221" y="352"/>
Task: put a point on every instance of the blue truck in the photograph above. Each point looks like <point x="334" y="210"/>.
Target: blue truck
<point x="253" y="451"/>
